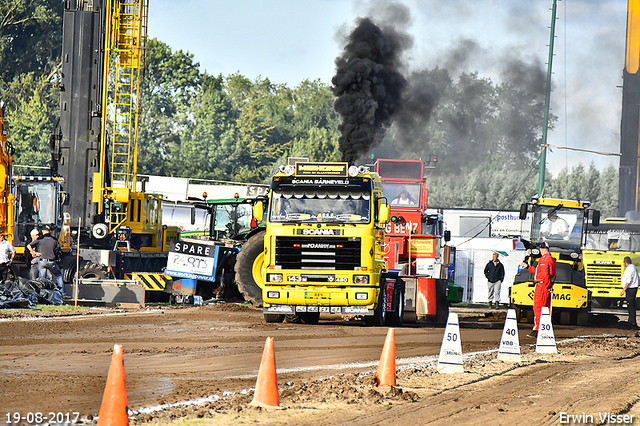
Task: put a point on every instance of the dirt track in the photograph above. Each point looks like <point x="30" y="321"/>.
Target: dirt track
<point x="179" y="354"/>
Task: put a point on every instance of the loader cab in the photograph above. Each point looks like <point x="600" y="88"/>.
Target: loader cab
<point x="559" y="223"/>
<point x="38" y="203"/>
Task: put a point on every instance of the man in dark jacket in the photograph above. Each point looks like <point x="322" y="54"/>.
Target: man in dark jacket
<point x="494" y="271"/>
<point x="45" y="249"/>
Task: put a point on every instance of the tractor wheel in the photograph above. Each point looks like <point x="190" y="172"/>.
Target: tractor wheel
<point x="91" y="270"/>
<point x="273" y="317"/>
<point x="249" y="269"/>
<point x="309" y="317"/>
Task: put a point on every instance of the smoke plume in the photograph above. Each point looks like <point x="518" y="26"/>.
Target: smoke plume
<point x="368" y="85"/>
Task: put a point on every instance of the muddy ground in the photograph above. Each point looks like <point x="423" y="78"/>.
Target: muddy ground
<point x="59" y="363"/>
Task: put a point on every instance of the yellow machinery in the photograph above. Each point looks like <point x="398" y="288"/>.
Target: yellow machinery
<point x="606" y="246"/>
<point x="6" y="197"/>
<point x="95" y="145"/>
<point x="561" y="224"/>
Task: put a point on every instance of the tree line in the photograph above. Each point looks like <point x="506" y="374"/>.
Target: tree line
<point x="486" y="135"/>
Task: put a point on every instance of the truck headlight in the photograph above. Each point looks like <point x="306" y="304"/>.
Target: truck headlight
<point x="273" y="294"/>
<point x="361" y="279"/>
<point x="362" y="296"/>
<point x="274" y="278"/>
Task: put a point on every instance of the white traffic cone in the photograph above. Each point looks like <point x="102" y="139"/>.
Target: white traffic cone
<point x="546" y="342"/>
<point x="450" y="359"/>
<point x="510" y="342"/>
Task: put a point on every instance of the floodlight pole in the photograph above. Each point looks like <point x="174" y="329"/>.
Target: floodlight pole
<point x="547" y="97"/>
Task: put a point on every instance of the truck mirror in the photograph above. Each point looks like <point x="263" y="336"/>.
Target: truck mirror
<point x="523" y="211"/>
<point x="64" y="198"/>
<point x="384" y="213"/>
<point x="193" y="215"/>
<point x="447" y="236"/>
<point x="595" y="218"/>
<point x="258" y="211"/>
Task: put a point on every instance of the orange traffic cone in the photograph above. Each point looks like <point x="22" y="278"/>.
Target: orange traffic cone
<point x="386" y="374"/>
<point x="266" y="393"/>
<point x="113" y="411"/>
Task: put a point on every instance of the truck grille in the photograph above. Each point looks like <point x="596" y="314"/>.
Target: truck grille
<point x="318" y="253"/>
<point x="603" y="275"/>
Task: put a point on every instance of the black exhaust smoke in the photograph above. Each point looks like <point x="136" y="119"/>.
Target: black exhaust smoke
<point x="368" y="86"/>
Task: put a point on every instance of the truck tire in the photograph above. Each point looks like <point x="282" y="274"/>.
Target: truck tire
<point x="273" y="318"/>
<point x="379" y="315"/>
<point x="442" y="304"/>
<point x="249" y="269"/>
<point x="397" y="316"/>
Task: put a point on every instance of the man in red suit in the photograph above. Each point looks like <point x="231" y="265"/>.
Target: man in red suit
<point x="544" y="274"/>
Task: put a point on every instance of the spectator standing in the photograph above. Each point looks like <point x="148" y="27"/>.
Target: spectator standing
<point x="544" y="274"/>
<point x="32" y="262"/>
<point x="7" y="253"/>
<point x="494" y="271"/>
<point x="630" y="287"/>
<point x="46" y="248"/>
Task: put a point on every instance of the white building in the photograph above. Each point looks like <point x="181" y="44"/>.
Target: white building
<point x="476" y="235"/>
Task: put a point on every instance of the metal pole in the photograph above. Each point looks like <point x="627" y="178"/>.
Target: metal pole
<point x="545" y="124"/>
<point x="77" y="263"/>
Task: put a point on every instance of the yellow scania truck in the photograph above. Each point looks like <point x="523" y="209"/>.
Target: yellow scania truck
<point x="603" y="255"/>
<point x="324" y="246"/>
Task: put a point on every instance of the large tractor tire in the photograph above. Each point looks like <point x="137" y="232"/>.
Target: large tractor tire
<point x="273" y="318"/>
<point x="249" y="264"/>
<point x="91" y="270"/>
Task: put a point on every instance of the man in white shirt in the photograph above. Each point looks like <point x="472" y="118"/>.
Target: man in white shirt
<point x="555" y="226"/>
<point x="403" y="199"/>
<point x="7" y="253"/>
<point x="630" y="287"/>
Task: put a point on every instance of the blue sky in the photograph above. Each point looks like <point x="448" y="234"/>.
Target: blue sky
<point x="292" y="40"/>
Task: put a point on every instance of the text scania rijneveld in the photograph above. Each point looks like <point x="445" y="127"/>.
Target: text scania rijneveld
<point x="600" y="418"/>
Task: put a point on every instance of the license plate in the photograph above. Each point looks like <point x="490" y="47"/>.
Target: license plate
<point x="316" y="295"/>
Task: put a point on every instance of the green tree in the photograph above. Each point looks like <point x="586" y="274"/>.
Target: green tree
<point x="607" y="202"/>
<point x="30" y="119"/>
<point x="30" y="36"/>
<point x="172" y="80"/>
<point x="202" y="154"/>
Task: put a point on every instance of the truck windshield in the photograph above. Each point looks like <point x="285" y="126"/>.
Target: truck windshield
<point x="312" y="206"/>
<point x="560" y="228"/>
<point x="601" y="238"/>
<point x="402" y="194"/>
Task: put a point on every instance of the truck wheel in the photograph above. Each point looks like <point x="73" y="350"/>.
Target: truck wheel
<point x="249" y="264"/>
<point x="273" y="317"/>
<point x="397" y="317"/>
<point x="379" y="315"/>
<point x="442" y="304"/>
